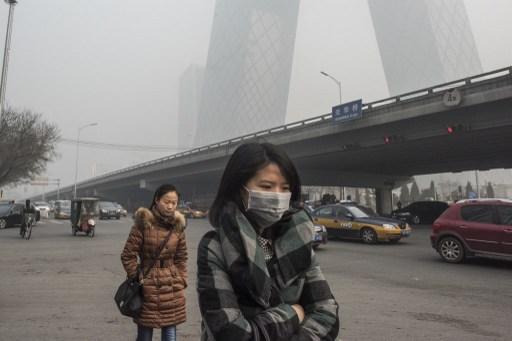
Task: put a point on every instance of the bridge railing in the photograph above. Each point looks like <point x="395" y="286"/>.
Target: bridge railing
<point x="379" y="104"/>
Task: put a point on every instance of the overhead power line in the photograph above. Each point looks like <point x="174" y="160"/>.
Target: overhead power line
<point x="124" y="147"/>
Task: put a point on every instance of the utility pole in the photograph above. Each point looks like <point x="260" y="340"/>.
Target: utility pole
<point x="7" y="48"/>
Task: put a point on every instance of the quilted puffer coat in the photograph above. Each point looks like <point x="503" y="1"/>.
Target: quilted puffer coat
<point x="164" y="285"/>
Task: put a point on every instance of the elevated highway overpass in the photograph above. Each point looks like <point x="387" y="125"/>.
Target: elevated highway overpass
<point x="396" y="138"/>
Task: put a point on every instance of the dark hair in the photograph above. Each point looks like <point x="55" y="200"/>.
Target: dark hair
<point x="161" y="191"/>
<point x="245" y="162"/>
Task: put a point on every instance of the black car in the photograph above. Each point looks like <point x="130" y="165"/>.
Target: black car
<point x="421" y="212"/>
<point x="11" y="214"/>
<point x="109" y="210"/>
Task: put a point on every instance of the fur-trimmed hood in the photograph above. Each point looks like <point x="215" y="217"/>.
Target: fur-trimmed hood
<point x="144" y="218"/>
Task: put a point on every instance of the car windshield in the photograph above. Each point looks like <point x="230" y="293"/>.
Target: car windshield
<point x="89" y="206"/>
<point x="107" y="204"/>
<point x="65" y="203"/>
<point x="4" y="208"/>
<point x="357" y="212"/>
<point x="41" y="203"/>
<point x="370" y="212"/>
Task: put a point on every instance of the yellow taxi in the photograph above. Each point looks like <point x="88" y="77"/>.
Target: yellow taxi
<point x="353" y="221"/>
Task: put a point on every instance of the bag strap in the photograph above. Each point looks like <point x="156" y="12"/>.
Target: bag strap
<point x="156" y="254"/>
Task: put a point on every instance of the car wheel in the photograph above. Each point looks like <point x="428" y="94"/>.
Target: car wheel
<point x="451" y="250"/>
<point x="368" y="235"/>
<point x="91" y="233"/>
<point x="416" y="220"/>
<point x="3" y="224"/>
<point x="394" y="241"/>
<point x="73" y="230"/>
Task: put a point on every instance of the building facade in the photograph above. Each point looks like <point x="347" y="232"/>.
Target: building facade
<point x="248" y="69"/>
<point x="191" y="84"/>
<point x="424" y="42"/>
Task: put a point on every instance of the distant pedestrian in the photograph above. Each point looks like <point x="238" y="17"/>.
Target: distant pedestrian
<point x="257" y="276"/>
<point x="165" y="283"/>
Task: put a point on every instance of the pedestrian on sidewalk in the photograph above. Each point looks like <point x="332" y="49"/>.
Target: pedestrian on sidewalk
<point x="257" y="276"/>
<point x="165" y="283"/>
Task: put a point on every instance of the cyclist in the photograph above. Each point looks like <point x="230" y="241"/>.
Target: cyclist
<point x="27" y="221"/>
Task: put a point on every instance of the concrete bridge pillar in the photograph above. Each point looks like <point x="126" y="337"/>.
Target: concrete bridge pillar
<point x="384" y="200"/>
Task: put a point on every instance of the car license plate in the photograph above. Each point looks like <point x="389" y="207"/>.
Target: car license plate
<point x="318" y="237"/>
<point x="405" y="233"/>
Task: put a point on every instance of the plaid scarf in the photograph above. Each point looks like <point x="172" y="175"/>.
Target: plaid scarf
<point x="245" y="258"/>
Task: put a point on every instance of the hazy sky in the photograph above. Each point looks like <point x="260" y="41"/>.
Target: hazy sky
<point x="118" y="63"/>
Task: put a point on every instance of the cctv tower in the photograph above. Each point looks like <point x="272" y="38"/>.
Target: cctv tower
<point x="248" y="71"/>
<point x="424" y="42"/>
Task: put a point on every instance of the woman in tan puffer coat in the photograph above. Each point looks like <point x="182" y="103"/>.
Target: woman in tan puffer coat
<point x="165" y="283"/>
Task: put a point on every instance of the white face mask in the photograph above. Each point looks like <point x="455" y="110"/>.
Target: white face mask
<point x="267" y="208"/>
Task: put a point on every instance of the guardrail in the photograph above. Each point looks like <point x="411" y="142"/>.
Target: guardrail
<point x="379" y="104"/>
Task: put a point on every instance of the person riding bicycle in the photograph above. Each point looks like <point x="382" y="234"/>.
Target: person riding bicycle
<point x="28" y="215"/>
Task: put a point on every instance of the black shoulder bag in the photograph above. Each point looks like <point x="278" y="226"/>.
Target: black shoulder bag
<point x="129" y="295"/>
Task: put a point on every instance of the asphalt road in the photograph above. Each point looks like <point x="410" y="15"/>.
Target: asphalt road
<point x="59" y="287"/>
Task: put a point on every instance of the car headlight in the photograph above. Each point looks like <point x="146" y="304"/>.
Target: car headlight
<point x="389" y="226"/>
<point x="91" y="222"/>
<point x="103" y="211"/>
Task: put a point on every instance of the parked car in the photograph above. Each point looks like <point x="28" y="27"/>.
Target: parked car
<point x="11" y="214"/>
<point x="352" y="221"/>
<point x="123" y="211"/>
<point x="189" y="211"/>
<point x="420" y="212"/>
<point x="198" y="213"/>
<point x="62" y="209"/>
<point x="109" y="210"/>
<point x="43" y="207"/>
<point x="185" y="210"/>
<point x="476" y="227"/>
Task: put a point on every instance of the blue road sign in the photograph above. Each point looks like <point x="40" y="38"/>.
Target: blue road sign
<point x="347" y="111"/>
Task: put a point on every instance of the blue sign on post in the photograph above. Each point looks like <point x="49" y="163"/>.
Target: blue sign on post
<point x="347" y="111"/>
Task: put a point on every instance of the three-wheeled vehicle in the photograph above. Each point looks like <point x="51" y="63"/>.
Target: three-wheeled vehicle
<point x="84" y="213"/>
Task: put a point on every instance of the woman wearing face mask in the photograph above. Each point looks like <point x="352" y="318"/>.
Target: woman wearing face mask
<point x="161" y="227"/>
<point x="257" y="274"/>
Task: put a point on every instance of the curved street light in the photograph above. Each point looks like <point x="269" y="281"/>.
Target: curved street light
<point x="3" y="80"/>
<point x="77" y="151"/>
<point x="342" y="188"/>
<point x="334" y="79"/>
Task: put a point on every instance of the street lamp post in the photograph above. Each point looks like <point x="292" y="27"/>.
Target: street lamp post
<point x="3" y="81"/>
<point x="342" y="188"/>
<point x="334" y="79"/>
<point x="77" y="151"/>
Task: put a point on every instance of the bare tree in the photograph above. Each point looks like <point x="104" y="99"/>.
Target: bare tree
<point x="415" y="192"/>
<point x="490" y="190"/>
<point x="27" y="144"/>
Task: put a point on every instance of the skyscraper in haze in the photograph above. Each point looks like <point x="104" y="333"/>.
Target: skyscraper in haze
<point x="423" y="42"/>
<point x="191" y="84"/>
<point x="248" y="70"/>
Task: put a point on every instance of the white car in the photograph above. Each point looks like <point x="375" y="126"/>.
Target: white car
<point x="43" y="207"/>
